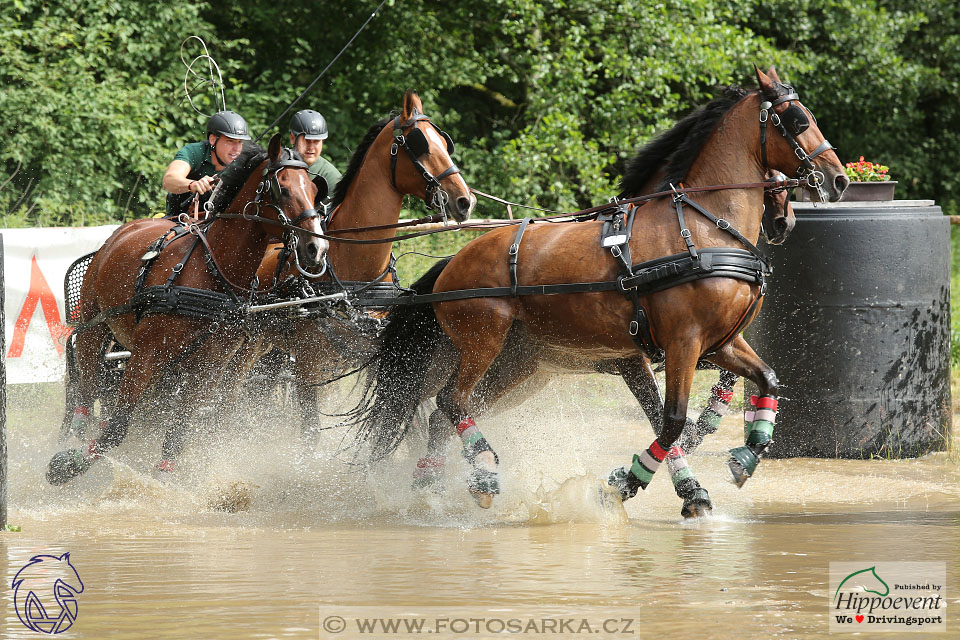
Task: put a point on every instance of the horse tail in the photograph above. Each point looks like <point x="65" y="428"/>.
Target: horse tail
<point x="395" y="384"/>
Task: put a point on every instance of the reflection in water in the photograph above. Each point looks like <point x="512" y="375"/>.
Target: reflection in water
<point x="160" y="560"/>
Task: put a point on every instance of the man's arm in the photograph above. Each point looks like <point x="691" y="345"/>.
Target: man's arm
<point x="175" y="180"/>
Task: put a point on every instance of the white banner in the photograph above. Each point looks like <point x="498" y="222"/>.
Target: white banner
<point x="35" y="262"/>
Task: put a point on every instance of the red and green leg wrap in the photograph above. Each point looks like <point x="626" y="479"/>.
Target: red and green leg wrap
<point x="629" y="481"/>
<point x="482" y="479"/>
<point x="716" y="408"/>
<point x="696" y="500"/>
<point x="761" y="418"/>
<point x="80" y="421"/>
<point x="428" y="472"/>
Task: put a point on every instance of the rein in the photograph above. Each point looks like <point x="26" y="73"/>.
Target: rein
<point x="769" y="185"/>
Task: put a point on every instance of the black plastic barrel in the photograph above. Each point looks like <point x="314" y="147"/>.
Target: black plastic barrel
<point x="856" y="325"/>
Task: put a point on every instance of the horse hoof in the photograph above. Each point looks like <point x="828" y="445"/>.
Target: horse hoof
<point x="483" y="485"/>
<point x="743" y="462"/>
<point x="483" y="500"/>
<point x="624" y="482"/>
<point x="67" y="465"/>
<point x="697" y="505"/>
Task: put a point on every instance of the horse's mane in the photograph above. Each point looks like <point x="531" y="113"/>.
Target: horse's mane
<point x="677" y="148"/>
<point x="340" y="192"/>
<point x="236" y="174"/>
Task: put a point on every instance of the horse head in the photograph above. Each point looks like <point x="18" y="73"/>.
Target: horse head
<point x="421" y="165"/>
<point x="288" y="196"/>
<point x="792" y="142"/>
<point x="778" y="218"/>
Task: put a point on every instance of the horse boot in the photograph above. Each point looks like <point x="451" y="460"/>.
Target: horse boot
<point x="717" y="406"/>
<point x="429" y="474"/>
<point x="173" y="443"/>
<point x="70" y="463"/>
<point x="484" y="481"/>
<point x="630" y="481"/>
<point x="696" y="500"/>
<point x="79" y="423"/>
<point x="760" y="420"/>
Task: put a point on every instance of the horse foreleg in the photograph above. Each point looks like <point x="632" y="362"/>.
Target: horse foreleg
<point x="680" y="365"/>
<point x="84" y="369"/>
<point x="140" y="372"/>
<point x="216" y="352"/>
<point x="740" y="359"/>
<point x="639" y="377"/>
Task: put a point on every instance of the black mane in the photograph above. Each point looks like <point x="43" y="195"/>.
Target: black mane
<point x="236" y="174"/>
<point x="233" y="177"/>
<point x="676" y="149"/>
<point x="340" y="192"/>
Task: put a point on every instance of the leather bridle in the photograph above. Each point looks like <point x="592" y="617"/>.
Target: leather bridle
<point x="792" y="122"/>
<point x="415" y="144"/>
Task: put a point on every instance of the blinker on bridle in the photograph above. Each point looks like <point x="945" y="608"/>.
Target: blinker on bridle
<point x="416" y="145"/>
<point x="791" y="123"/>
<point x="270" y="182"/>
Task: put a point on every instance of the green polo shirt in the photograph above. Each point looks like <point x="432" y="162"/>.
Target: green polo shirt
<point x="326" y="171"/>
<point x="197" y="155"/>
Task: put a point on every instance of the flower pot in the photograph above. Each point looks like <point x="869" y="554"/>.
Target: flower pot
<point x="858" y="192"/>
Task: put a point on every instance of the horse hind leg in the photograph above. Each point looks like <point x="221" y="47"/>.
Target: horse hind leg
<point x="479" y="343"/>
<point x="739" y="358"/>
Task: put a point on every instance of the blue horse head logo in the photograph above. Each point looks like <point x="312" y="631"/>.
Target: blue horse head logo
<point x="45" y="594"/>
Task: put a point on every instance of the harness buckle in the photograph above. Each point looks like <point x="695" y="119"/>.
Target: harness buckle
<point x="723" y="224"/>
<point x="514" y="249"/>
<point x="800" y="153"/>
<point x="615" y="251"/>
<point x="634" y="328"/>
<point x="685" y="233"/>
<point x="394" y="148"/>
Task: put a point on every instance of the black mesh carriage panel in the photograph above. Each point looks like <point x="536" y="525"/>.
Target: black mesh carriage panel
<point x="71" y="288"/>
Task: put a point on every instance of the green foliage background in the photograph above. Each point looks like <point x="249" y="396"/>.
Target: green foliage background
<point x="545" y="98"/>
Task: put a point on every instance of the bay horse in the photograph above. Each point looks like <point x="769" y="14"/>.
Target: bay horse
<point x="403" y="155"/>
<point x="171" y="293"/>
<point x="512" y="378"/>
<point x="736" y="139"/>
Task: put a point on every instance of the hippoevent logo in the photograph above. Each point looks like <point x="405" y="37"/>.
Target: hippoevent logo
<point x="45" y="594"/>
<point x="888" y="596"/>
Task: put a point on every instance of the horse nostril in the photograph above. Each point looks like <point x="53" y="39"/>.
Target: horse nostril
<point x="463" y="202"/>
<point x="841" y="183"/>
<point x="312" y="250"/>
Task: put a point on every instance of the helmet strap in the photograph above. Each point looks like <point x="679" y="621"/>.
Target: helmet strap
<point x="215" y="153"/>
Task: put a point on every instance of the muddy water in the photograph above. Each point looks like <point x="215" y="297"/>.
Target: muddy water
<point x="313" y="541"/>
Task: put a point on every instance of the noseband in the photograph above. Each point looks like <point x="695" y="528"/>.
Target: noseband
<point x="416" y="145"/>
<point x="791" y="123"/>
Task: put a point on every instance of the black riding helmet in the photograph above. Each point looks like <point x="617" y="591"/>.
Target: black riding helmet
<point x="309" y="124"/>
<point x="228" y="123"/>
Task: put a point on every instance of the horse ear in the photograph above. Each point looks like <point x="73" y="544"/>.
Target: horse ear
<point x="411" y="104"/>
<point x="275" y="148"/>
<point x="766" y="84"/>
<point x="772" y="72"/>
<point x="65" y="556"/>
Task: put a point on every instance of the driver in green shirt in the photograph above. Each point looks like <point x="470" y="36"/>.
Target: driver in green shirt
<point x="195" y="165"/>
<point x="308" y="130"/>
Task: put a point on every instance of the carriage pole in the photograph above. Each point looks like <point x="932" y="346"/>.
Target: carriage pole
<point x="3" y="399"/>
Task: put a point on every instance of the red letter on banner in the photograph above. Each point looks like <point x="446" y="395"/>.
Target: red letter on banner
<point x="39" y="292"/>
